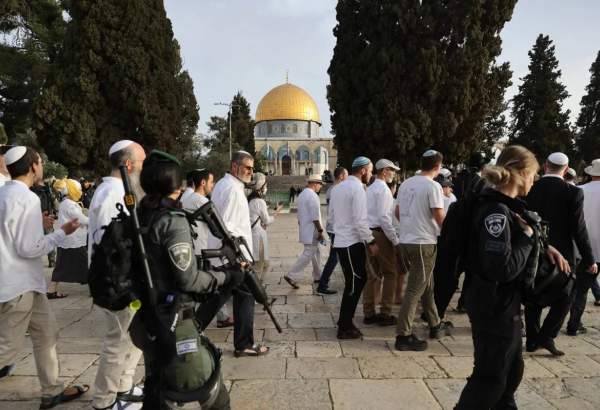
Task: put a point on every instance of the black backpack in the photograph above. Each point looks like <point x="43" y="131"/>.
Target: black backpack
<point x="113" y="279"/>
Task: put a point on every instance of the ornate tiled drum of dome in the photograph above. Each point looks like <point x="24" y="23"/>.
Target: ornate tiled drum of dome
<point x="287" y="133"/>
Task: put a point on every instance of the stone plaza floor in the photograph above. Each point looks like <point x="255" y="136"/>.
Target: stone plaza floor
<point x="308" y="368"/>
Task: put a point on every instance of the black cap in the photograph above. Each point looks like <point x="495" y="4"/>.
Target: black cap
<point x="161" y="156"/>
<point x="476" y="160"/>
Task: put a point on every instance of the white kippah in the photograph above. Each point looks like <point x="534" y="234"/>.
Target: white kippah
<point x="118" y="146"/>
<point x="430" y="153"/>
<point x="558" y="158"/>
<point x="14" y="154"/>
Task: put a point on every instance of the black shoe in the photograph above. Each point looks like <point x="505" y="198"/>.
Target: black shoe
<point x="135" y="395"/>
<point x="372" y="319"/>
<point x="441" y="330"/>
<point x="326" y="291"/>
<point x="387" y="320"/>
<point x="580" y="330"/>
<point x="316" y="281"/>
<point x="292" y="282"/>
<point x="410" y="342"/>
<point x="5" y="371"/>
<point x="551" y="347"/>
<point x="531" y="346"/>
<point x="423" y="317"/>
<point x="351" y="333"/>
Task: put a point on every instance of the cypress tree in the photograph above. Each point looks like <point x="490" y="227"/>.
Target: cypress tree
<point x="118" y="76"/>
<point x="588" y="123"/>
<point x="539" y="121"/>
<point x="242" y="126"/>
<point x="407" y="76"/>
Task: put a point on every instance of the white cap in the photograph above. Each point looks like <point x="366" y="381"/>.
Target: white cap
<point x="572" y="172"/>
<point x="385" y="163"/>
<point x="445" y="172"/>
<point x="118" y="146"/>
<point x="315" y="178"/>
<point x="14" y="154"/>
<point x="558" y="158"/>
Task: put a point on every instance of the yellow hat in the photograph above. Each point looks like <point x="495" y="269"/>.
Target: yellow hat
<point x="70" y="188"/>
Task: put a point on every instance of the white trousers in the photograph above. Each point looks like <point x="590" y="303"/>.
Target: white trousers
<point x="311" y="254"/>
<point x="118" y="359"/>
<point x="31" y="311"/>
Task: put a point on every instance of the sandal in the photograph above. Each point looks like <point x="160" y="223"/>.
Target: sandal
<point x="49" y="402"/>
<point x="56" y="295"/>
<point x="254" y="351"/>
<point x="225" y="323"/>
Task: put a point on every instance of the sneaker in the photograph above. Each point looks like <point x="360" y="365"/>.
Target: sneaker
<point x="6" y="370"/>
<point x="371" y="319"/>
<point x="135" y="395"/>
<point x="352" y="333"/>
<point x="291" y="282"/>
<point x="387" y="320"/>
<point x="123" y="405"/>
<point x="580" y="330"/>
<point x="551" y="347"/>
<point x="326" y="291"/>
<point x="441" y="330"/>
<point x="410" y="342"/>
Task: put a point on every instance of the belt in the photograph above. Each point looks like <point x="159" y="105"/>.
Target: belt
<point x="378" y="229"/>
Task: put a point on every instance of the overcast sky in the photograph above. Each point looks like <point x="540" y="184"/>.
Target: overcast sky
<point x="247" y="45"/>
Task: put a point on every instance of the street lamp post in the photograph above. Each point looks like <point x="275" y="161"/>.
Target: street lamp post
<point x="230" y="105"/>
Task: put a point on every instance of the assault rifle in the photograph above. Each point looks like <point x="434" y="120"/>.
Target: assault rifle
<point x="236" y="251"/>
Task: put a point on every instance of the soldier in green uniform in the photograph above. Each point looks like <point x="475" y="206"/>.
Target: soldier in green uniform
<point x="182" y="366"/>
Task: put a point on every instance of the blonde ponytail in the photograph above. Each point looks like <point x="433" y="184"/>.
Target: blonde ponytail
<point x="513" y="160"/>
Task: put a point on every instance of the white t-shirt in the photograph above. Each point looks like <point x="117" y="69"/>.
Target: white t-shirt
<point x="416" y="197"/>
<point x="3" y="179"/>
<point x="591" y="214"/>
<point x="191" y="203"/>
<point x="68" y="210"/>
<point x="309" y="210"/>
<point x="448" y="200"/>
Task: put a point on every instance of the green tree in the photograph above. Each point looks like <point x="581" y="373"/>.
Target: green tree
<point x="588" y="123"/>
<point x="407" y="76"/>
<point x="32" y="32"/>
<point x="242" y="125"/>
<point x="539" y="121"/>
<point x="117" y="76"/>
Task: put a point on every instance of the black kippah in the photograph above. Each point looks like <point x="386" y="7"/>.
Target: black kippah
<point x="161" y="156"/>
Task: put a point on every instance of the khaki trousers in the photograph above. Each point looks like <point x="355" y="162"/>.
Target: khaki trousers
<point x="421" y="260"/>
<point x="118" y="359"/>
<point x="31" y="311"/>
<point x="310" y="255"/>
<point x="384" y="265"/>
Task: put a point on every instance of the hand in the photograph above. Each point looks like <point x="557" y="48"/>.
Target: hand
<point x="593" y="269"/>
<point x="557" y="259"/>
<point x="47" y="221"/>
<point x="526" y="228"/>
<point x="320" y="236"/>
<point x="70" y="226"/>
<point x="279" y="208"/>
<point x="244" y="265"/>
<point x="373" y="249"/>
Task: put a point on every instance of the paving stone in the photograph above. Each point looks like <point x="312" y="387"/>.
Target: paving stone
<point x="326" y="334"/>
<point x="285" y="289"/>
<point x="570" y="366"/>
<point x="322" y="308"/>
<point x="365" y="348"/>
<point x="71" y="365"/>
<point x="322" y="368"/>
<point x="23" y="388"/>
<point x="254" y="368"/>
<point x="304" y="299"/>
<point x="381" y="394"/>
<point x="318" y="349"/>
<point x="258" y="335"/>
<point x="459" y="345"/>
<point x="462" y="367"/>
<point x="371" y="332"/>
<point x="399" y="368"/>
<point x="307" y="320"/>
<point x="263" y="321"/>
<point x="289" y="308"/>
<point x="280" y="395"/>
<point x="218" y="335"/>
<point x="271" y="335"/>
<point x="434" y="348"/>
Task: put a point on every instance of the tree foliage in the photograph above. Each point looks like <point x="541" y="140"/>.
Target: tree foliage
<point x="588" y="123"/>
<point x="118" y="75"/>
<point x="408" y="75"/>
<point x="33" y="31"/>
<point x="539" y="121"/>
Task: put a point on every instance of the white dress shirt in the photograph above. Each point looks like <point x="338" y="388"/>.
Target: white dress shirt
<point x="191" y="203"/>
<point x="309" y="210"/>
<point x="448" y="200"/>
<point x="329" y="224"/>
<point x="103" y="208"/>
<point x="380" y="209"/>
<point x="259" y="219"/>
<point x="231" y="203"/>
<point x="3" y="179"/>
<point x="187" y="192"/>
<point x="22" y="242"/>
<point x="68" y="210"/>
<point x="591" y="214"/>
<point x="349" y="207"/>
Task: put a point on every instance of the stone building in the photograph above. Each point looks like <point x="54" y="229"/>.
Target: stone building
<point x="287" y="134"/>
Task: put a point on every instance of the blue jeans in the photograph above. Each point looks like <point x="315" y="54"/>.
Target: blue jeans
<point x="330" y="265"/>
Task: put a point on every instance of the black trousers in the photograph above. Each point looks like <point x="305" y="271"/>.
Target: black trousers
<point x="497" y="372"/>
<point x="353" y="262"/>
<point x="243" y="312"/>
<point x="446" y="276"/>
<point x="332" y="261"/>
<point x="552" y="323"/>
<point x="583" y="284"/>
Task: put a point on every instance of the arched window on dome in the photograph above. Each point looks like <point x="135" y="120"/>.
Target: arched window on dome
<point x="283" y="151"/>
<point x="270" y="128"/>
<point x="320" y="155"/>
<point x="267" y="153"/>
<point x="295" y="128"/>
<point x="302" y="153"/>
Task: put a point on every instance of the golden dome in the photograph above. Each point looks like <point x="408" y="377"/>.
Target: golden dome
<point x="287" y="102"/>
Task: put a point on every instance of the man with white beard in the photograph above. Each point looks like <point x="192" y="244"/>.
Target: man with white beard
<point x="119" y="357"/>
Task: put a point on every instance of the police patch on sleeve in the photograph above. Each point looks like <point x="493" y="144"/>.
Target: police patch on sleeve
<point x="495" y="224"/>
<point x="181" y="255"/>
